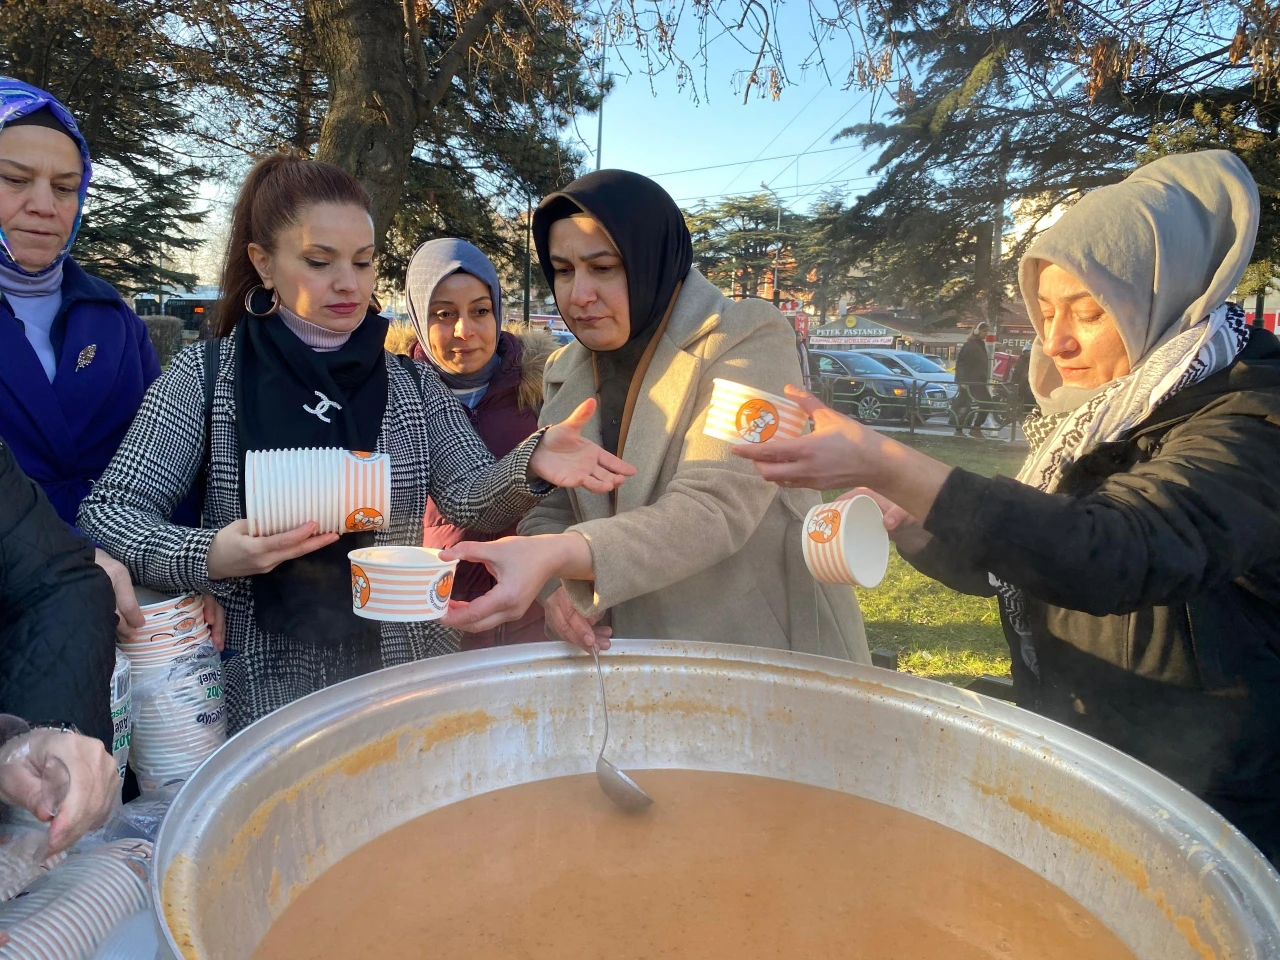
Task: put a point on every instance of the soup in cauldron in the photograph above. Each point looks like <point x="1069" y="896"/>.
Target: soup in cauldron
<point x="721" y="866"/>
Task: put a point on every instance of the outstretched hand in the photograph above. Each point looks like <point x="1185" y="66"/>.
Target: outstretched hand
<point x="841" y="453"/>
<point x="566" y="458"/>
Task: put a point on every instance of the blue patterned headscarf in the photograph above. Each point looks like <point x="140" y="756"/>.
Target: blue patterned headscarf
<point x="17" y="100"/>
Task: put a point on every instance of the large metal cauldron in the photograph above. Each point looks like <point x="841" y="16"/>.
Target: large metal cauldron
<point x="298" y="791"/>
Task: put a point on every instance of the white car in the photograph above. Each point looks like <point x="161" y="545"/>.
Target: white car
<point x="913" y="365"/>
<point x="923" y="372"/>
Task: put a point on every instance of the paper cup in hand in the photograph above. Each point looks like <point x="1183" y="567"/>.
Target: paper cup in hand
<point x="742" y="414"/>
<point x="404" y="584"/>
<point x="845" y="542"/>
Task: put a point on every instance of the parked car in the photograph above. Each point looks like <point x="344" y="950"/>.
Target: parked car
<point x="562" y="337"/>
<point x="936" y="388"/>
<point x="853" y="383"/>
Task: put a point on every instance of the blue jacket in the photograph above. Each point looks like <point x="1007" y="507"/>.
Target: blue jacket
<point x="64" y="433"/>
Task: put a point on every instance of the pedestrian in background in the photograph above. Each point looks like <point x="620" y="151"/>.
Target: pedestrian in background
<point x="973" y="376"/>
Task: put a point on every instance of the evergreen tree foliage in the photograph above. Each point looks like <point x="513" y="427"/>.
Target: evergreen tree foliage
<point x="112" y="67"/>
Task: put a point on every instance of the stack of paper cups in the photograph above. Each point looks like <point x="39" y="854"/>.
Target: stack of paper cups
<point x="742" y="414"/>
<point x="121" y="721"/>
<point x="178" y="713"/>
<point x="342" y="491"/>
<point x="74" y="908"/>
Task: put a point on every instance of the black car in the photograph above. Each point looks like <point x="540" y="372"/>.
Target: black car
<point x="853" y="383"/>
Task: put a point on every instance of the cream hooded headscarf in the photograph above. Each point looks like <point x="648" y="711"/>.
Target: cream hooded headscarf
<point x="1158" y="251"/>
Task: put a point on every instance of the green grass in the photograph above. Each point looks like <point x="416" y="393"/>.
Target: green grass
<point x="937" y="632"/>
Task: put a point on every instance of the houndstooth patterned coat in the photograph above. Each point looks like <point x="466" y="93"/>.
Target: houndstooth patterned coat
<point x="434" y="452"/>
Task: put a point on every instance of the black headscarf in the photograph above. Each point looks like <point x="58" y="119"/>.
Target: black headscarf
<point x="649" y="231"/>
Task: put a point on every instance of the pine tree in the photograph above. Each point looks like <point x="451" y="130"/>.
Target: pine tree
<point x="1023" y="105"/>
<point x="734" y="242"/>
<point x="106" y="60"/>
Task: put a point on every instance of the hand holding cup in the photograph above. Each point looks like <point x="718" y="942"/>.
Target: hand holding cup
<point x="234" y="553"/>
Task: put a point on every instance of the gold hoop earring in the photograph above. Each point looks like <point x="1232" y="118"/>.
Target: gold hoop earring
<point x="254" y="293"/>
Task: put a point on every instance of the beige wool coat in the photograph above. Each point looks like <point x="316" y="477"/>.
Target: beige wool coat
<point x="699" y="547"/>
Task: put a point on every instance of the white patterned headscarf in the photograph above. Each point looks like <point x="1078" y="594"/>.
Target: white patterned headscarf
<point x="1160" y="252"/>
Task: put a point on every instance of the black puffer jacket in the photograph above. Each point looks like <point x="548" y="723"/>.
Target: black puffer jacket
<point x="1153" y="587"/>
<point x="57" y="613"/>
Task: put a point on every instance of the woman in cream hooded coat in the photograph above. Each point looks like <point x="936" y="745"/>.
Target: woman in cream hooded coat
<point x="1137" y="556"/>
<point x="695" y="546"/>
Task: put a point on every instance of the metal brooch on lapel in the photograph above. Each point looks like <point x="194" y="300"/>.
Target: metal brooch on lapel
<point x="86" y="356"/>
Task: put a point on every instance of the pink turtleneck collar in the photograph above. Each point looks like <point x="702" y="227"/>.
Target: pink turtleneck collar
<point x="318" y="338"/>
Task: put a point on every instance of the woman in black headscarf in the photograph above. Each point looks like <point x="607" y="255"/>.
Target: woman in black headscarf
<point x="693" y="546"/>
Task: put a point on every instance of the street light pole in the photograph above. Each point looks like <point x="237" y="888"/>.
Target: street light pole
<point x="778" y="249"/>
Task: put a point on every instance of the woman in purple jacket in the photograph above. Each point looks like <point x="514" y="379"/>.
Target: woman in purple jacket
<point x="75" y="360"/>
<point x="455" y="304"/>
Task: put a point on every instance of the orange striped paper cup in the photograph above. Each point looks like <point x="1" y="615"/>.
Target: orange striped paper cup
<point x="742" y="414"/>
<point x="402" y="584"/>
<point x="845" y="542"/>
<point x="366" y="491"/>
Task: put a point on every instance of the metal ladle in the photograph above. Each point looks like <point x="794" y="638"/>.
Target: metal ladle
<point x="617" y="786"/>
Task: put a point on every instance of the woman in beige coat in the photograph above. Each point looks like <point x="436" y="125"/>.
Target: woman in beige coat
<point x="695" y="546"/>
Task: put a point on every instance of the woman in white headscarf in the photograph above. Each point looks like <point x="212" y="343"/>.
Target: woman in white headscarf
<point x="1137" y="555"/>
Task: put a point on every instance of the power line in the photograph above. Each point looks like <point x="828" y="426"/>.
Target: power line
<point x="852" y="107"/>
<point x="740" y="163"/>
<point x="781" y="190"/>
<point x="784" y="129"/>
<point x="835" y="173"/>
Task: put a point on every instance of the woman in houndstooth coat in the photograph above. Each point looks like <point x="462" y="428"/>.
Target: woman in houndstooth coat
<point x="300" y="363"/>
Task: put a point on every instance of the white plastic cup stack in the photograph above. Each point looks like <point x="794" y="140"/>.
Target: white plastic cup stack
<point x="178" y="705"/>
<point x="341" y="490"/>
<point x="121" y="721"/>
<point x="69" y="912"/>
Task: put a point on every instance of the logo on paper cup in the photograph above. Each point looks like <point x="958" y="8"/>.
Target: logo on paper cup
<point x="189" y="600"/>
<point x="366" y="518"/>
<point x="439" y="595"/>
<point x="824" y="525"/>
<point x="363" y="454"/>
<point x="359" y="587"/>
<point x="757" y="421"/>
<point x="185" y="624"/>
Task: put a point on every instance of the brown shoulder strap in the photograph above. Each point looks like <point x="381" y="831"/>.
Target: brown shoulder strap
<point x="633" y="391"/>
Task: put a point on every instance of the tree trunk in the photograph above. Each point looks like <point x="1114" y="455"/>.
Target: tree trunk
<point x="369" y="127"/>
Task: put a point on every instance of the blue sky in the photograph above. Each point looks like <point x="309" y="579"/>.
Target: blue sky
<point x="655" y="128"/>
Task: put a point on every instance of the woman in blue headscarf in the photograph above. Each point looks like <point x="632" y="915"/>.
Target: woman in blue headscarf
<point x="75" y="360"/>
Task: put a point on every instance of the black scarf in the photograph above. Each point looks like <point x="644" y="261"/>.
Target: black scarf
<point x="277" y="378"/>
<point x="649" y="231"/>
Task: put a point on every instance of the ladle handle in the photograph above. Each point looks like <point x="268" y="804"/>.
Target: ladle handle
<point x="604" y="701"/>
